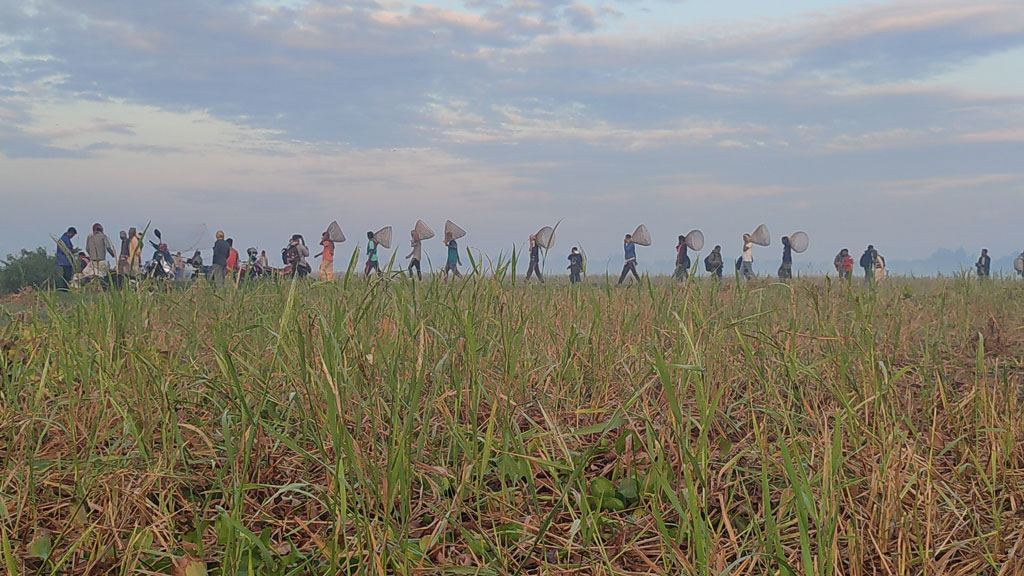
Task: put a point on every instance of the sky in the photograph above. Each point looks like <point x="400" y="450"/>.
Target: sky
<point x="896" y="123"/>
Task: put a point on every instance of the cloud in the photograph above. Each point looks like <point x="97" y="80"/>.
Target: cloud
<point x="510" y="106"/>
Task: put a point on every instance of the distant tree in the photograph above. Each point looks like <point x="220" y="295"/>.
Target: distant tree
<point x="34" y="268"/>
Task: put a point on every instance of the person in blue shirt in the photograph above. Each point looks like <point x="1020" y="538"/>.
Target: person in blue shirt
<point x="452" y="264"/>
<point x="65" y="258"/>
<point x="534" y="259"/>
<point x="630" y="253"/>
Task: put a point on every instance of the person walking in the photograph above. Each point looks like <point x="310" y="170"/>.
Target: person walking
<point x="416" y="254"/>
<point x="575" y="265"/>
<point x="221" y="251"/>
<point x="327" y="255"/>
<point x="534" y="259"/>
<point x="97" y="246"/>
<point x="453" y="261"/>
<point x="747" y="258"/>
<point x="867" y="262"/>
<point x="984" y="264"/>
<point x="843" y="264"/>
<point x="714" y="262"/>
<point x="629" y="252"/>
<point x="66" y="258"/>
<point x="372" y="263"/>
<point x="682" y="270"/>
<point x="786" y="269"/>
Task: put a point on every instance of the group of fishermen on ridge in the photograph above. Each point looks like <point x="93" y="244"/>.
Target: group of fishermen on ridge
<point x="80" y="266"/>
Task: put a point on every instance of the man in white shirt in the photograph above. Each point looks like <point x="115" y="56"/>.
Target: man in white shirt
<point x="747" y="265"/>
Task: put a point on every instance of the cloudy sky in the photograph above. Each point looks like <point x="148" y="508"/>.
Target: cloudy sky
<point x="899" y="123"/>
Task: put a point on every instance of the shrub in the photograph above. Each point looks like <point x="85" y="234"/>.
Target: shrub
<point x="28" y="268"/>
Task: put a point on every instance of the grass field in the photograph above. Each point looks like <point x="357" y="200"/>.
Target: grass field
<point x="480" y="428"/>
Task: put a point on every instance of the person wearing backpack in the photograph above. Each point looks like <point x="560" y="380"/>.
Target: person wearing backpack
<point x="575" y="265"/>
<point x="867" y="262"/>
<point x="714" y="263"/>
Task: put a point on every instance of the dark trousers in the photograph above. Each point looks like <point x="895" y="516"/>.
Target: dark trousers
<point x="66" y="274"/>
<point x="574" y="275"/>
<point x="626" y="269"/>
<point x="415" y="263"/>
<point x="869" y="274"/>
<point x="786" y="271"/>
<point x="534" y="267"/>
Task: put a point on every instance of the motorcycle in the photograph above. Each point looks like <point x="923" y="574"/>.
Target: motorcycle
<point x="162" y="264"/>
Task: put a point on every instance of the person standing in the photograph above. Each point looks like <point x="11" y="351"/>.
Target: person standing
<point x="221" y="251"/>
<point x="867" y="262"/>
<point x="416" y="254"/>
<point x="179" y="266"/>
<point x="97" y="246"/>
<point x="747" y="258"/>
<point x="263" y="262"/>
<point x="453" y="261"/>
<point x="327" y="254"/>
<point x="534" y="259"/>
<point x="629" y="251"/>
<point x="134" y="252"/>
<point x="66" y="258"/>
<point x="714" y="262"/>
<point x="575" y="265"/>
<point x="123" y="268"/>
<point x="682" y="270"/>
<point x="786" y="269"/>
<point x="984" y="264"/>
<point x="372" y="263"/>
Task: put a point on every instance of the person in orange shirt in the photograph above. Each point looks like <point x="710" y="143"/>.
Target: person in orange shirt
<point x="327" y="264"/>
<point x="232" y="264"/>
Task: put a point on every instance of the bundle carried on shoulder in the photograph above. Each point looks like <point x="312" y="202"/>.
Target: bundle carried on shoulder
<point x="453" y="229"/>
<point x="383" y="237"/>
<point x="641" y="236"/>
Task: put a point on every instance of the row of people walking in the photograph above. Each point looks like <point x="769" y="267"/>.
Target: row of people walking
<point x="226" y="262"/>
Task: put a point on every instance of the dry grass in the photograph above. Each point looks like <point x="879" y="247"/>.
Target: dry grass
<point x="393" y="429"/>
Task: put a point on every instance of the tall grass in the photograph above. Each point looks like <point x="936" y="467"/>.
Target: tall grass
<point x="383" y="426"/>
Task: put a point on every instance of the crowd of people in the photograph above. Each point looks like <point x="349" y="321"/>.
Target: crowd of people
<point x="80" y="266"/>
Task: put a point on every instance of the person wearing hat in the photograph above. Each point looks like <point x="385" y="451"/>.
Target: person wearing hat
<point x="327" y="254"/>
<point x="221" y="251"/>
<point x="682" y="270"/>
<point x="786" y="269"/>
<point x="629" y="250"/>
<point x="984" y="264"/>
<point x="714" y="262"/>
<point x="65" y="256"/>
<point x="534" y="259"/>
<point x="575" y="265"/>
<point x="747" y="259"/>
